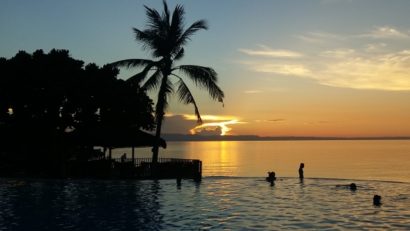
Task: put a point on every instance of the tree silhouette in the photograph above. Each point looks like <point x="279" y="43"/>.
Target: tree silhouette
<point x="44" y="97"/>
<point x="165" y="38"/>
<point x="57" y="92"/>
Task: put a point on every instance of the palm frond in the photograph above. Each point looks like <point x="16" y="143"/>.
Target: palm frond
<point x="132" y="63"/>
<point x="169" y="87"/>
<point x="165" y="14"/>
<point x="186" y="36"/>
<point x="139" y="77"/>
<point x="180" y="54"/>
<point x="153" y="81"/>
<point x="154" y="18"/>
<point x="147" y="38"/>
<point x="199" y="74"/>
<point x="177" y="23"/>
<point x="136" y="79"/>
<point x="186" y="97"/>
<point x="203" y="77"/>
<point x="157" y="41"/>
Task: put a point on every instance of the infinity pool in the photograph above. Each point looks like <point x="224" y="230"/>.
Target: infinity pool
<point x="217" y="203"/>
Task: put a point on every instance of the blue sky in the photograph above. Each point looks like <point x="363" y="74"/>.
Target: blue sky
<point x="312" y="67"/>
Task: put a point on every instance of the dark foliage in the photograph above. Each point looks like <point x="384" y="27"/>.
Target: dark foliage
<point x="45" y="97"/>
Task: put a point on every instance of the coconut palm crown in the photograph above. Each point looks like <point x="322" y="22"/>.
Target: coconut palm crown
<point x="165" y="37"/>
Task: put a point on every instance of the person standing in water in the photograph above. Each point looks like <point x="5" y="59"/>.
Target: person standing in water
<point x="302" y="165"/>
<point x="271" y="178"/>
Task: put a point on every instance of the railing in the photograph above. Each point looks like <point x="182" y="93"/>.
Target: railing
<point x="140" y="168"/>
<point x="165" y="168"/>
<point x="140" y="161"/>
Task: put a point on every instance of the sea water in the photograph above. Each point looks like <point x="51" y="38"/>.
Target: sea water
<point x="233" y="194"/>
<point x="387" y="160"/>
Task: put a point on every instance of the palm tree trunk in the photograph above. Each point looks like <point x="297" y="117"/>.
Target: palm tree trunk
<point x="155" y="149"/>
<point x="160" y="108"/>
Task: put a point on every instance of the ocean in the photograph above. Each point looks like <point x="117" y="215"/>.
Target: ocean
<point x="233" y="194"/>
<point x="386" y="160"/>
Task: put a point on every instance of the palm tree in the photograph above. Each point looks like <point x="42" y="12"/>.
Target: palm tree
<point x="165" y="38"/>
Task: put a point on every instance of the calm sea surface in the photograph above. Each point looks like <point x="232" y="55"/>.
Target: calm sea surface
<point x="387" y="160"/>
<point x="233" y="194"/>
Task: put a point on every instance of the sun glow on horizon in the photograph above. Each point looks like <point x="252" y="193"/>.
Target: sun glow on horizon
<point x="213" y="126"/>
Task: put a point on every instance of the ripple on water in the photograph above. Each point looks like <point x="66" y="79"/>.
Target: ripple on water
<point x="216" y="203"/>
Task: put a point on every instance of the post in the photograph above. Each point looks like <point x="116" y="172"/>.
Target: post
<point x="198" y="170"/>
<point x="133" y="155"/>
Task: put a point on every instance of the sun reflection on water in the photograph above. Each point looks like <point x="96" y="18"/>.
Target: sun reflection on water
<point x="219" y="157"/>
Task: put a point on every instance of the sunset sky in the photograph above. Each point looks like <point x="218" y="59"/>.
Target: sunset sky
<point x="288" y="68"/>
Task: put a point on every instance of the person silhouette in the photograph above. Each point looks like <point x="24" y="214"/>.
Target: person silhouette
<point x="377" y="200"/>
<point x="302" y="165"/>
<point x="271" y="178"/>
<point x="179" y="179"/>
<point x="123" y="157"/>
<point x="352" y="186"/>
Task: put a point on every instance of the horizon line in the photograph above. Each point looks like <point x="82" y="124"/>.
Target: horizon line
<point x="197" y="137"/>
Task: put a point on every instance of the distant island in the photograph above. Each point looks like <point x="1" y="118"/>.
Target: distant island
<point x="188" y="137"/>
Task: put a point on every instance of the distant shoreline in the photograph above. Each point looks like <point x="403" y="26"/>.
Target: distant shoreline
<point x="182" y="137"/>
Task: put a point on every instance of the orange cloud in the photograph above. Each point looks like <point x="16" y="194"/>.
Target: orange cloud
<point x="214" y="126"/>
<point x="209" y="117"/>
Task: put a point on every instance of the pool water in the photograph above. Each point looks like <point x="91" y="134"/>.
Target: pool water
<point x="217" y="203"/>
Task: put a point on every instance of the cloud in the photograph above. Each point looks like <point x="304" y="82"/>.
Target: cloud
<point x="177" y="124"/>
<point x="386" y="32"/>
<point x="270" y="121"/>
<point x="375" y="47"/>
<point x="315" y="123"/>
<point x="380" y="32"/>
<point x="310" y="39"/>
<point x="348" y="61"/>
<point x="349" y="69"/>
<point x="209" y="131"/>
<point x="321" y="37"/>
<point x="276" y="120"/>
<point x="265" y="51"/>
<point x="252" y="91"/>
<point x="282" y="69"/>
<point x="214" y="126"/>
<point x="209" y="117"/>
<point x="382" y="72"/>
<point x="186" y="123"/>
<point x="338" y="53"/>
